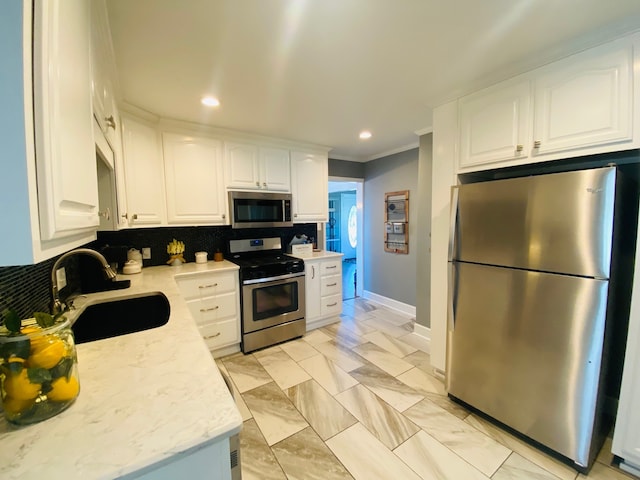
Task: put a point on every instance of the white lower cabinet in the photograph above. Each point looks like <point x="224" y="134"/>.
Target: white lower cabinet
<point x="213" y="299"/>
<point x="323" y="289"/>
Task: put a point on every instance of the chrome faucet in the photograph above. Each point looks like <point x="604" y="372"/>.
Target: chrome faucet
<point x="57" y="305"/>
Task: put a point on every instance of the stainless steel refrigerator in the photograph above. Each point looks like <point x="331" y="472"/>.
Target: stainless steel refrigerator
<point x="532" y="304"/>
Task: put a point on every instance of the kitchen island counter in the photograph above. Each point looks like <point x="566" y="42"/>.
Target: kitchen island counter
<point x="146" y="399"/>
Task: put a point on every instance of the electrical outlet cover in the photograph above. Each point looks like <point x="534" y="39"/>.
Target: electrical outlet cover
<point x="146" y="253"/>
<point x="61" y="278"/>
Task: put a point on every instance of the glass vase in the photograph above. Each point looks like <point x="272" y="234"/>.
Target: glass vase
<point x="38" y="373"/>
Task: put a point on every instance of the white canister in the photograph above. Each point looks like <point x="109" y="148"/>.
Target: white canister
<point x="201" y="257"/>
<point x="134" y="254"/>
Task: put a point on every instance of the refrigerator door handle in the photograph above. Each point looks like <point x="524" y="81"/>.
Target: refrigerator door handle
<point x="453" y="220"/>
<point x="452" y="294"/>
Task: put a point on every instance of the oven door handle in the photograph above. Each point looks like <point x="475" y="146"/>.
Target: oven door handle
<point x="271" y="279"/>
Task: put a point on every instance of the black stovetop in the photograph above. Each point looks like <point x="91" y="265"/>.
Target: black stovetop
<point x="255" y="266"/>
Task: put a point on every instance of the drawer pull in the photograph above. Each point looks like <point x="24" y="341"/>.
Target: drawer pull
<point x="331" y="284"/>
<point x="212" y="336"/>
<point x="209" y="309"/>
<point x="208" y="286"/>
<point x="332" y="304"/>
<point x="332" y="266"/>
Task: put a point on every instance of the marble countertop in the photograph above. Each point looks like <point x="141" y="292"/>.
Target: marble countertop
<point x="144" y="397"/>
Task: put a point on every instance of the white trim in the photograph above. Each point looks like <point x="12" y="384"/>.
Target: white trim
<point x="423" y="334"/>
<point x="224" y="351"/>
<point x="629" y="468"/>
<point x="390" y="303"/>
<point x="346" y="158"/>
<point x="404" y="148"/>
<point x="424" y="131"/>
<point x="321" y="322"/>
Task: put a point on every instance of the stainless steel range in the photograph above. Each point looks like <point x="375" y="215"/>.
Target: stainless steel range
<point x="272" y="295"/>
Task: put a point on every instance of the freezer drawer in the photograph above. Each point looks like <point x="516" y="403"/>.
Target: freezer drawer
<point x="560" y="222"/>
<point x="526" y="349"/>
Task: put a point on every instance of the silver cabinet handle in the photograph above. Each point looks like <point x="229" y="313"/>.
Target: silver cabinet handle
<point x="257" y="184"/>
<point x="212" y="336"/>
<point x="209" y="309"/>
<point x="264" y="184"/>
<point x="332" y="304"/>
<point x="537" y="144"/>
<point x="110" y="122"/>
<point x="519" y="148"/>
<point x="224" y="216"/>
<point x="106" y="214"/>
<point x="208" y="286"/>
<point x="331" y="284"/>
<point x="332" y="266"/>
<point x="313" y="272"/>
<point x="133" y="217"/>
<point x="295" y="215"/>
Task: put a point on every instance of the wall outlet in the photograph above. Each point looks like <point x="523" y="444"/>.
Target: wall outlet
<point x="146" y="253"/>
<point x="61" y="278"/>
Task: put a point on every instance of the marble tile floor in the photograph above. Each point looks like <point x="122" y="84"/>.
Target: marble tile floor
<point x="357" y="400"/>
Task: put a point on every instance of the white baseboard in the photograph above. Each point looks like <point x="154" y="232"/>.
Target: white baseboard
<point x="423" y="334"/>
<point x="321" y="322"/>
<point x="390" y="303"/>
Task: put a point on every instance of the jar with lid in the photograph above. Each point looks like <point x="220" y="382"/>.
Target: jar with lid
<point x="38" y="372"/>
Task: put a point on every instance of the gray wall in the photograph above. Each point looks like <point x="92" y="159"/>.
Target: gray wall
<point x="423" y="231"/>
<point x="388" y="274"/>
<point x="343" y="168"/>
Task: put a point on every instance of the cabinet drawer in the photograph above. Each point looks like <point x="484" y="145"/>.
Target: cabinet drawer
<point x="331" y="285"/>
<point x="211" y="309"/>
<point x="332" y="267"/>
<point x="222" y="333"/>
<point x="331" y="305"/>
<point x="208" y="284"/>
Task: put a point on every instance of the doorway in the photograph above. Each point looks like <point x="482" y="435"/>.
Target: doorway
<point x="343" y="231"/>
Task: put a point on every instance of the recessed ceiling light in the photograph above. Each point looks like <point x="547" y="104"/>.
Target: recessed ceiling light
<point x="365" y="134"/>
<point x="210" y="101"/>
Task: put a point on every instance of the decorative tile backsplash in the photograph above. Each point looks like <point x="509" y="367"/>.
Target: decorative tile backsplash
<point x="27" y="289"/>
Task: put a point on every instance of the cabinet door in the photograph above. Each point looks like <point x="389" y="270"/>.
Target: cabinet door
<point x="194" y="180"/>
<point x="66" y="160"/>
<point x="585" y="101"/>
<point x="309" y="187"/>
<point x="275" y="169"/>
<point x="242" y="166"/>
<point x="144" y="174"/>
<point x="313" y="283"/>
<point x="495" y="124"/>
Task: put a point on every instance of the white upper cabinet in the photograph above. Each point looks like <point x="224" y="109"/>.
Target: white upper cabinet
<point x="310" y="184"/>
<point x="194" y="178"/>
<point x="275" y="169"/>
<point x="585" y="101"/>
<point x="144" y="174"/>
<point x="581" y="105"/>
<point x="65" y="151"/>
<point x="495" y="124"/>
<point x="253" y="167"/>
<point x="103" y="72"/>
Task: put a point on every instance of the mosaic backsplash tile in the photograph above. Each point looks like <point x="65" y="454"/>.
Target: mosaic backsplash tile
<point x="27" y="289"/>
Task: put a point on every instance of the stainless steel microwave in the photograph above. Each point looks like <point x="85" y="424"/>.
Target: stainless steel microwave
<point x="260" y="210"/>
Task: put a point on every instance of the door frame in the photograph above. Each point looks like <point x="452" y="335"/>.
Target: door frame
<point x="359" y="225"/>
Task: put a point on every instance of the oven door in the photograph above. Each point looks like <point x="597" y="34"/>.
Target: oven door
<point x="273" y="301"/>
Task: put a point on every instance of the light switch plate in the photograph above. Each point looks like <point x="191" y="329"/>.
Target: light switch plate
<point x="146" y="253"/>
<point x="61" y="278"/>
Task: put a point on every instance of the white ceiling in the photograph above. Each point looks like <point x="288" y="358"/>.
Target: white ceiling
<point x="320" y="71"/>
